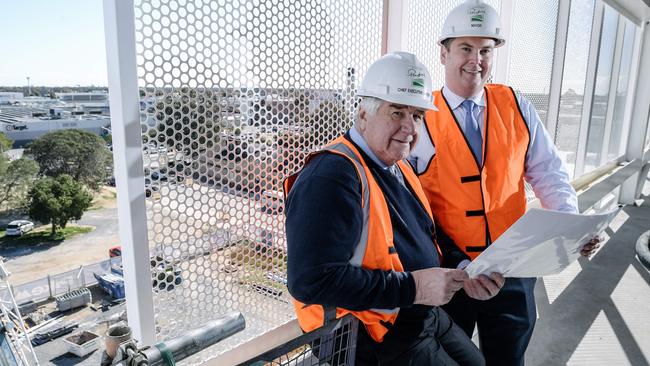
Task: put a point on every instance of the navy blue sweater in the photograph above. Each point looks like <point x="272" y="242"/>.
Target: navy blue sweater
<point x="323" y="226"/>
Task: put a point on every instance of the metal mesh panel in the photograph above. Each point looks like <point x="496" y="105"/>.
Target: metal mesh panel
<point x="424" y="24"/>
<point x="573" y="81"/>
<point x="532" y="47"/>
<point x="601" y="90"/>
<point x="35" y="290"/>
<point x="67" y="281"/>
<point x="234" y="94"/>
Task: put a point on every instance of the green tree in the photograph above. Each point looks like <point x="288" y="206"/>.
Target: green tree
<point x="5" y="143"/>
<point x="15" y="176"/>
<point x="77" y="153"/>
<point x="58" y="200"/>
<point x="15" y="179"/>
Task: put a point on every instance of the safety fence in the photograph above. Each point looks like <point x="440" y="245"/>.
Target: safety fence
<point x="60" y="283"/>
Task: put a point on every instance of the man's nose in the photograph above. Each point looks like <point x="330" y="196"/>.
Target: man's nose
<point x="475" y="57"/>
<point x="409" y="123"/>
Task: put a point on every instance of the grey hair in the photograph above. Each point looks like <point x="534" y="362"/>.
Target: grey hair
<point x="370" y="105"/>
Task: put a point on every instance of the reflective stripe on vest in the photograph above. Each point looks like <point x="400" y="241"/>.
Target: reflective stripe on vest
<point x="375" y="249"/>
<point x="475" y="204"/>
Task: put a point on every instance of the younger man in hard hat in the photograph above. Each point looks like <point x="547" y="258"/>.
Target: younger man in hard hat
<point x="472" y="161"/>
<point x="360" y="234"/>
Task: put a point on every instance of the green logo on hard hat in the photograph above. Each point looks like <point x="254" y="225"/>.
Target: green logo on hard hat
<point x="418" y="82"/>
<point x="476" y="14"/>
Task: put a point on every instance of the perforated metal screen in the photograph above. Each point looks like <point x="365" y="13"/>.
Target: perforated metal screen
<point x="532" y="41"/>
<point x="234" y="94"/>
<point x="425" y="19"/>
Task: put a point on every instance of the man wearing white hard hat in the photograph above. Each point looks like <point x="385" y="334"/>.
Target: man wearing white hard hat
<point x="472" y="161"/>
<point x="361" y="238"/>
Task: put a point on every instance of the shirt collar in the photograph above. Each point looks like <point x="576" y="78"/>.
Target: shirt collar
<point x="455" y="100"/>
<point x="356" y="137"/>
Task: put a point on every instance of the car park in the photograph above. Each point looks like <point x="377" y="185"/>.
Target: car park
<point x="19" y="227"/>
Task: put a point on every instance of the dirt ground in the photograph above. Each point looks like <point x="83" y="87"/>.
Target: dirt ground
<point x="105" y="198"/>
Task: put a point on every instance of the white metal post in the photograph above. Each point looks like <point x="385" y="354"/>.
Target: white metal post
<point x="559" y="55"/>
<point x="613" y="87"/>
<point x="502" y="62"/>
<point x="119" y="24"/>
<point x="631" y="89"/>
<point x="394" y="27"/>
<point x="590" y="84"/>
<point x="640" y="114"/>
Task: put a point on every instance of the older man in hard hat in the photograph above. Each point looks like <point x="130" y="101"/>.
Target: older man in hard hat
<point x="472" y="162"/>
<point x="360" y="234"/>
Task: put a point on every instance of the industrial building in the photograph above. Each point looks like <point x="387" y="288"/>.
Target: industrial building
<point x="23" y="124"/>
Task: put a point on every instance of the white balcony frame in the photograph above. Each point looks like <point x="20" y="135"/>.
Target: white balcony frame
<point x="640" y="115"/>
<point x="501" y="68"/>
<point x="394" y="30"/>
<point x="557" y="73"/>
<point x="590" y="84"/>
<point x="119" y="26"/>
<point x="613" y="87"/>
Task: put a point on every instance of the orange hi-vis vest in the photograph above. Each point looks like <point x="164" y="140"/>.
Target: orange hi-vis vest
<point x="475" y="204"/>
<point x="375" y="249"/>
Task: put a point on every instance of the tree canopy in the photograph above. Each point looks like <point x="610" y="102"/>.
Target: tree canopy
<point x="15" y="176"/>
<point x="5" y="143"/>
<point x="58" y="200"/>
<point x="77" y="153"/>
<point x="15" y="179"/>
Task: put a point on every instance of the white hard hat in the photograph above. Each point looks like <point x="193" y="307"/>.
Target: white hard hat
<point x="398" y="77"/>
<point x="473" y="18"/>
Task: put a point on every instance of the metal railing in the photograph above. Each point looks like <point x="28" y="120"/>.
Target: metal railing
<point x="59" y="283"/>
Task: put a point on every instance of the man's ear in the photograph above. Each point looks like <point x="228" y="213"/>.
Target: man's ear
<point x="443" y="55"/>
<point x="362" y="121"/>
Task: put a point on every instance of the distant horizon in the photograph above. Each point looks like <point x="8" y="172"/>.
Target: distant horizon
<point x="55" y="86"/>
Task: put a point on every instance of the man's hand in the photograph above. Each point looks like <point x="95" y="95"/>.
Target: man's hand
<point x="436" y="286"/>
<point x="593" y="244"/>
<point x="484" y="287"/>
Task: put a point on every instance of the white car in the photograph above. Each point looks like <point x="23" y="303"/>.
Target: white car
<point x="18" y="227"/>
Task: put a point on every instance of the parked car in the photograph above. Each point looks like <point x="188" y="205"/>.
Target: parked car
<point x="115" y="251"/>
<point x="272" y="202"/>
<point x="149" y="188"/>
<point x="19" y="227"/>
<point x="165" y="275"/>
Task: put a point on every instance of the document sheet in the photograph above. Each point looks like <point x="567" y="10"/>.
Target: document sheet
<point x="540" y="243"/>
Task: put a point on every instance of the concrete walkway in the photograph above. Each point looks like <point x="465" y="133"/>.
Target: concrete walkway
<point x="597" y="312"/>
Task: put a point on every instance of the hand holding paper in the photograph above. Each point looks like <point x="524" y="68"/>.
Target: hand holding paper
<point x="540" y="243"/>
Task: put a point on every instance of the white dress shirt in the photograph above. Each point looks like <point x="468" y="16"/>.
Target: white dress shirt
<point x="544" y="169"/>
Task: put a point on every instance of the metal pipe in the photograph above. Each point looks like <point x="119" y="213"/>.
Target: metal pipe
<point x="198" y="339"/>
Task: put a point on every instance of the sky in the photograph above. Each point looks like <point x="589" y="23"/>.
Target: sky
<point x="54" y="42"/>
